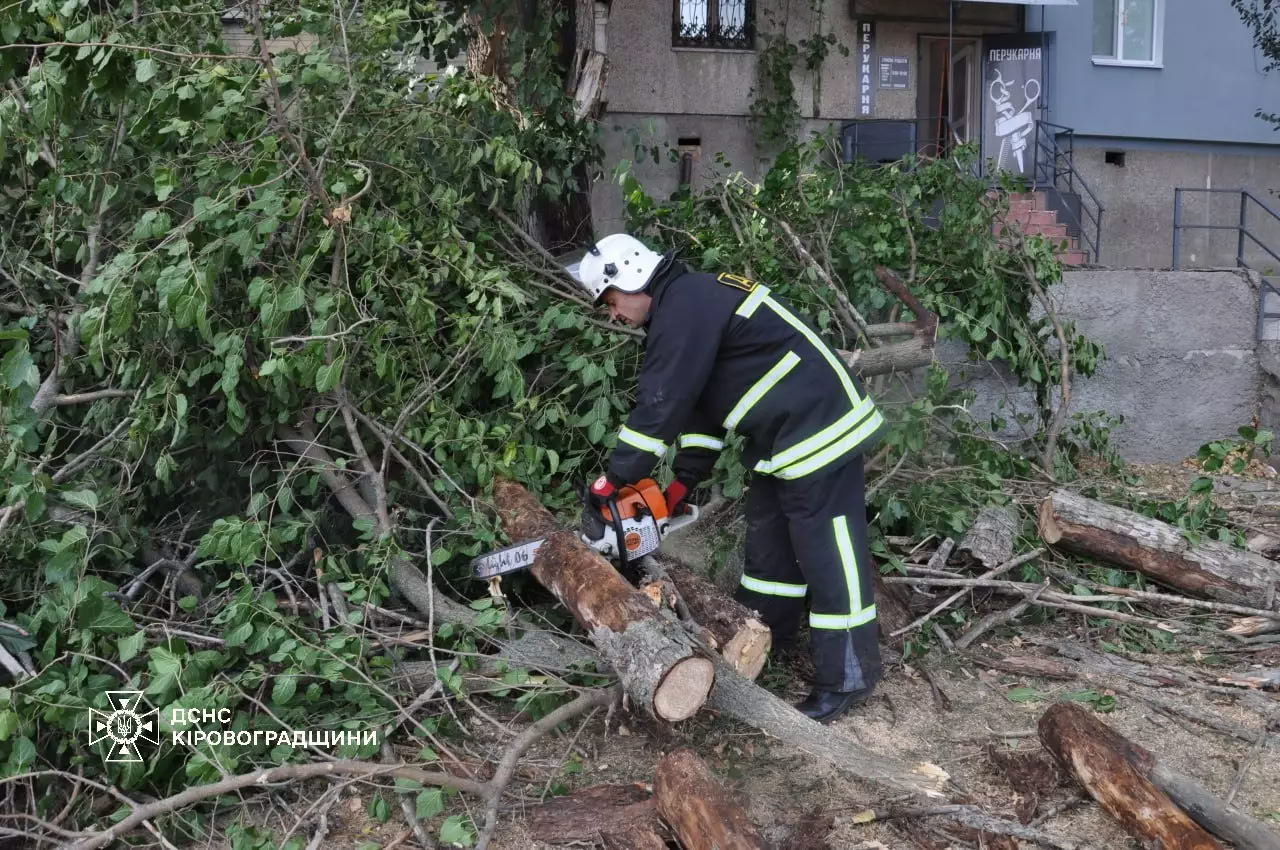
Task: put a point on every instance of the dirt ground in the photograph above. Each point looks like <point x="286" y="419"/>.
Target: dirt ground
<point x="987" y="714"/>
<point x="781" y="788"/>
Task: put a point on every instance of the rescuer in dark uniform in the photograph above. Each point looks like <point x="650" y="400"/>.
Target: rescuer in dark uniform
<point x="724" y="354"/>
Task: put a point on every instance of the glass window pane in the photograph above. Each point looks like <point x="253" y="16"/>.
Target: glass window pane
<point x="1104" y="27"/>
<point x="693" y="17"/>
<point x="733" y="17"/>
<point x="1138" y="22"/>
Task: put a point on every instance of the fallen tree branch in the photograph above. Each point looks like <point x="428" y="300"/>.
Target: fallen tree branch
<point x="951" y="600"/>
<point x="1158" y="806"/>
<point x="700" y="812"/>
<point x="975" y="818"/>
<point x="85" y="398"/>
<point x="507" y="766"/>
<point x="405" y="576"/>
<point x="262" y="778"/>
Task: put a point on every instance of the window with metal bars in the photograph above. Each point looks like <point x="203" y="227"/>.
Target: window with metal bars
<point x="714" y="23"/>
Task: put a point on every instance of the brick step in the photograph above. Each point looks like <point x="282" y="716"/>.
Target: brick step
<point x="1072" y="258"/>
<point x="1050" y="231"/>
<point x="1035" y="217"/>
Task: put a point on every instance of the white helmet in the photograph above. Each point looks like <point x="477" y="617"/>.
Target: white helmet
<point x="618" y="260"/>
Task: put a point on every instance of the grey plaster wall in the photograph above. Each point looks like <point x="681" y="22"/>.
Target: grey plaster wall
<point x="1182" y="363"/>
<point x="1138" y="197"/>
<point x="1209" y="87"/>
<point x="649" y="76"/>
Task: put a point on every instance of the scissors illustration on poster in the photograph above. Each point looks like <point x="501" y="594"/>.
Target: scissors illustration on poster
<point x="1013" y="126"/>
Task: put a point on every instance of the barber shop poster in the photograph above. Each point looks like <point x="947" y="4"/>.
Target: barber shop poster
<point x="1013" y="76"/>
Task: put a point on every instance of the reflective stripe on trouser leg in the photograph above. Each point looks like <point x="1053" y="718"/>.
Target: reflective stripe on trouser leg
<point x="771" y="580"/>
<point x="827" y="516"/>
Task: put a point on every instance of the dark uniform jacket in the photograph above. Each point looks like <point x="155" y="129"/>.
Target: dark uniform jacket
<point x="724" y="354"/>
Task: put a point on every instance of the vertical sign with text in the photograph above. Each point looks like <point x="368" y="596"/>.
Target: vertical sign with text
<point x="866" y="52"/>
<point x="1012" y="73"/>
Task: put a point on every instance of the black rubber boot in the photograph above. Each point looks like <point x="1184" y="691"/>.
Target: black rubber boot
<point x="825" y="706"/>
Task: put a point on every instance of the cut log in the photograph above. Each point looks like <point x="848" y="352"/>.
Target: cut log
<point x="1156" y="805"/>
<point x="621" y="811"/>
<point x="701" y="813"/>
<point x="746" y="701"/>
<point x="660" y="667"/>
<point x="740" y="637"/>
<point x="989" y="541"/>
<point x="1102" y="762"/>
<point x="902" y="356"/>
<point x="1156" y="549"/>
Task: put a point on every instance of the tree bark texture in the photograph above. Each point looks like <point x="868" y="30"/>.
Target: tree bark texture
<point x="659" y="665"/>
<point x="989" y="541"/>
<point x="740" y="637"/>
<point x="1159" y="807"/>
<point x="626" y="813"/>
<point x="1156" y="549"/>
<point x="700" y="812"/>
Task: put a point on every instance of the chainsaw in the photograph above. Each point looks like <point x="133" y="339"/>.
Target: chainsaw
<point x="629" y="526"/>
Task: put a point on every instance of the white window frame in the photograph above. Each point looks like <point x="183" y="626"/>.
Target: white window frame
<point x="1117" y="41"/>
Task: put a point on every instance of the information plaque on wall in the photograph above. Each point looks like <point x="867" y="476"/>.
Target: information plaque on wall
<point x="866" y="50"/>
<point x="893" y="72"/>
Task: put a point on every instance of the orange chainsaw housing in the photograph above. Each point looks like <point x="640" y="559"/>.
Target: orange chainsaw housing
<point x="635" y="500"/>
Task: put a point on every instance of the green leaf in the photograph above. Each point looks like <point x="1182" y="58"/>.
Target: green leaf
<point x="130" y="646"/>
<point x="23" y="754"/>
<point x="440" y="555"/>
<point x="430" y="802"/>
<point x="86" y="499"/>
<point x="327" y="376"/>
<point x="145" y="70"/>
<point x="188" y="603"/>
<point x="455" y="830"/>
<point x="240" y="634"/>
<point x="284" y="689"/>
<point x="292" y="299"/>
<point x="1026" y="695"/>
<point x="9" y="725"/>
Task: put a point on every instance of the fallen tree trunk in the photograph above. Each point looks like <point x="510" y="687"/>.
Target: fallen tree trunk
<point x="740" y="637"/>
<point x="659" y="666"/>
<point x="1156" y="805"/>
<point x="1155" y="549"/>
<point x="1102" y="763"/>
<point x="699" y="811"/>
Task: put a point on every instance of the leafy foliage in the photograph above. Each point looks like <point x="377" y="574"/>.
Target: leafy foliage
<point x="213" y="265"/>
<point x="1262" y="17"/>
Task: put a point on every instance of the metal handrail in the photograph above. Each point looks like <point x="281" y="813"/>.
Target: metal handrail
<point x="1046" y="135"/>
<point x="1242" y="231"/>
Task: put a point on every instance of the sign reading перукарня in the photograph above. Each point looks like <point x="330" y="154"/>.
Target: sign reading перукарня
<point x="866" y="77"/>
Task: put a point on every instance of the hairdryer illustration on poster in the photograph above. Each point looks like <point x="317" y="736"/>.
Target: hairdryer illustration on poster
<point x="1013" y="127"/>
